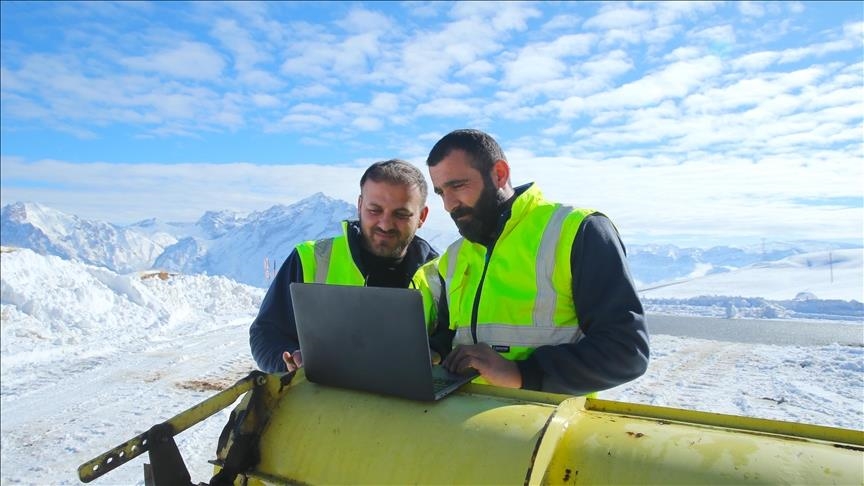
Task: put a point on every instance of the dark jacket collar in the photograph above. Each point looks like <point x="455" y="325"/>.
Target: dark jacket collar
<point x="505" y="211"/>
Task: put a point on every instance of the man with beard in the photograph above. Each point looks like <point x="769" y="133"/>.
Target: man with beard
<point x="380" y="250"/>
<point x="536" y="295"/>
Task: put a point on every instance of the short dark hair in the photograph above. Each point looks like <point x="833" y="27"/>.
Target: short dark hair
<point x="481" y="148"/>
<point x="396" y="171"/>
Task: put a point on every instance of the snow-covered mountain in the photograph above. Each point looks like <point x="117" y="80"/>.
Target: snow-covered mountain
<point x="265" y="239"/>
<point x="250" y="248"/>
<point x="219" y="243"/>
<point x="51" y="232"/>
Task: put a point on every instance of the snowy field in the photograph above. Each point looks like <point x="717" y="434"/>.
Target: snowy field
<point x="91" y="358"/>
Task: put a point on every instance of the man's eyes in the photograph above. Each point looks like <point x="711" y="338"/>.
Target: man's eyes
<point x="378" y="211"/>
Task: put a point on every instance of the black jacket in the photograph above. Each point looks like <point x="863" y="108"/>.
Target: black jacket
<point x="615" y="347"/>
<point x="275" y="331"/>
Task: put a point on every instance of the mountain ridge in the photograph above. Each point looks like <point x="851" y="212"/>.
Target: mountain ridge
<point x="250" y="247"/>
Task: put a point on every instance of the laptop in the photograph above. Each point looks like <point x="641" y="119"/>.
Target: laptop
<point x="372" y="339"/>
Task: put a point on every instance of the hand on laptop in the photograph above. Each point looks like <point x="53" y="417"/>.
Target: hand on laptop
<point x="292" y="361"/>
<point x="493" y="367"/>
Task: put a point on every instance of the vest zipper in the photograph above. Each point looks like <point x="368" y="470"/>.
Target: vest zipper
<point x="476" y="308"/>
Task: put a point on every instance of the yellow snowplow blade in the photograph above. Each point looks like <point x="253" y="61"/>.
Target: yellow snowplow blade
<point x="486" y="435"/>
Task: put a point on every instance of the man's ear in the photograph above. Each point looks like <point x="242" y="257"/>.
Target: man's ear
<point x="359" y="203"/>
<point x="423" y="213"/>
<point x="500" y="173"/>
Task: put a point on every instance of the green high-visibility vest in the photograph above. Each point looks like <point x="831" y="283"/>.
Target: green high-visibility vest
<point x="521" y="290"/>
<point x="329" y="261"/>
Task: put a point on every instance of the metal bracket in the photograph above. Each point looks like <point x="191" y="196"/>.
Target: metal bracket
<point x="143" y="442"/>
<point x="166" y="466"/>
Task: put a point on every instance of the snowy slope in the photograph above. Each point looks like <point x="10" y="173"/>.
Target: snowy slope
<point x="837" y="274"/>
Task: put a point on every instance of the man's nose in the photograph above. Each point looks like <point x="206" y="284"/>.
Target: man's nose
<point x="450" y="203"/>
<point x="386" y="221"/>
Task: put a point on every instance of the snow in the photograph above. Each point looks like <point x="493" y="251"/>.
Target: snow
<point x="90" y="358"/>
<point x="838" y="274"/>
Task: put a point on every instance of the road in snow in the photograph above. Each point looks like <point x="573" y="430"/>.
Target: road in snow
<point x="787" y="332"/>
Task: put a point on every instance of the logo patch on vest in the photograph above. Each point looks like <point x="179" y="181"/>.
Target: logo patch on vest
<point x="500" y="348"/>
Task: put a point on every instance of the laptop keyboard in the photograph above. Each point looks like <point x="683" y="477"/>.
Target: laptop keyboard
<point x="441" y="378"/>
<point x="440" y="383"/>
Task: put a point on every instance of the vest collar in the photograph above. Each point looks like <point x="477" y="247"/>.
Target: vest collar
<point x="526" y="198"/>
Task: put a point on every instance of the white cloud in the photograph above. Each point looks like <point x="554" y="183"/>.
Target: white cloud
<point x="445" y="107"/>
<point x="666" y="13"/>
<point x="265" y="100"/>
<point x="562" y="22"/>
<point x="311" y="91"/>
<point x="502" y="16"/>
<point x="247" y="53"/>
<point x="660" y="35"/>
<point x="608" y="66"/>
<point x="756" y="61"/>
<point x="477" y="69"/>
<point x="796" y="54"/>
<point x="360" y="20"/>
<point x="854" y="30"/>
<point x="192" y="60"/>
<point x="684" y="53"/>
<point x="795" y="7"/>
<point x="367" y="123"/>
<point x="540" y="62"/>
<point x="675" y="80"/>
<point x="305" y="121"/>
<point x="721" y="34"/>
<point x="385" y="103"/>
<point x="616" y="16"/>
<point x="257" y="78"/>
<point x="750" y="9"/>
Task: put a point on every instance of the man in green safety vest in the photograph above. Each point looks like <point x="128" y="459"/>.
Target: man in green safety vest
<point x="379" y="249"/>
<point x="535" y="294"/>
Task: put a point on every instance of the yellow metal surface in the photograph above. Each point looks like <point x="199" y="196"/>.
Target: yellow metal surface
<point x="487" y="435"/>
<point x="606" y="448"/>
<point x="323" y="435"/>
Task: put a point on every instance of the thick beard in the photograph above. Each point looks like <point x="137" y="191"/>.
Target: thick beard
<point x="482" y="217"/>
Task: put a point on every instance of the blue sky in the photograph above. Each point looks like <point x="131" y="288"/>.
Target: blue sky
<point x="699" y="122"/>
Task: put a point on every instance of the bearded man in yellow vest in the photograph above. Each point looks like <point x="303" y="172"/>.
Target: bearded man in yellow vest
<point x="535" y="294"/>
<point x="379" y="249"/>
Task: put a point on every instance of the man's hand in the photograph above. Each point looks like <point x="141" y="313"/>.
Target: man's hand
<point x="292" y="361"/>
<point x="494" y="368"/>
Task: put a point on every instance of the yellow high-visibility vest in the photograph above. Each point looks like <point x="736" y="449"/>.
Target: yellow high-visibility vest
<point x="520" y="292"/>
<point x="329" y="261"/>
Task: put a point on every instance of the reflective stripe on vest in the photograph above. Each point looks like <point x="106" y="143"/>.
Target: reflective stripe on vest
<point x="428" y="282"/>
<point x="323" y="250"/>
<point x="524" y="336"/>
